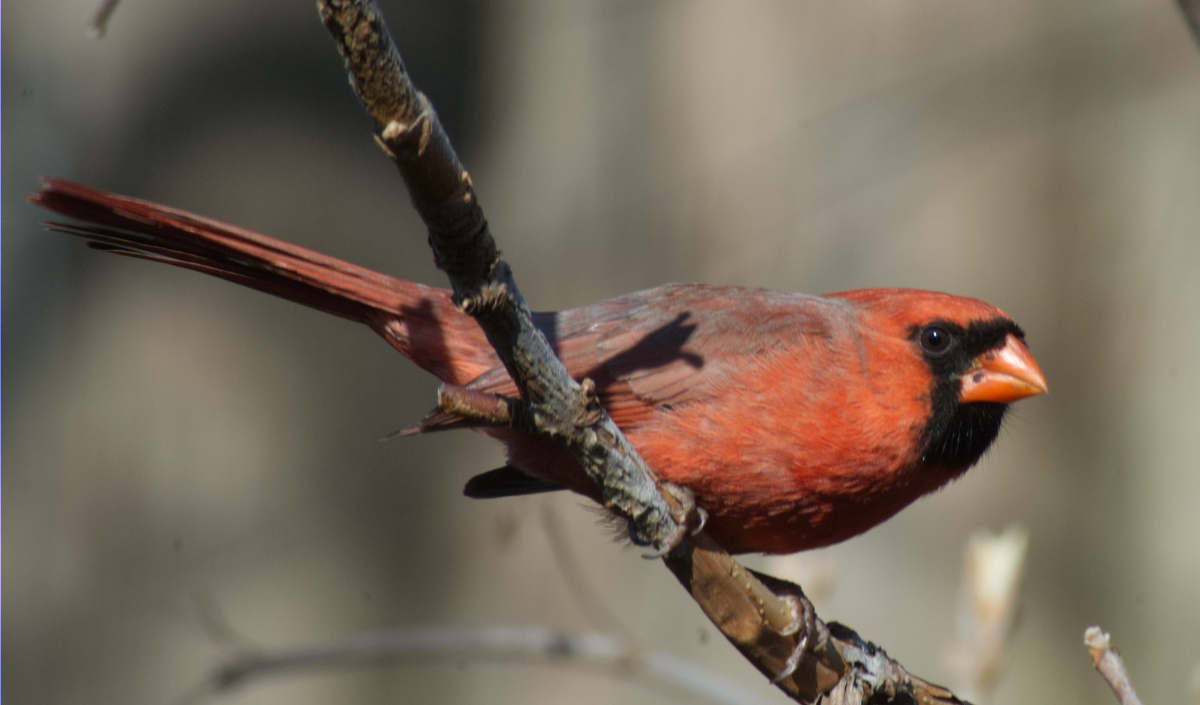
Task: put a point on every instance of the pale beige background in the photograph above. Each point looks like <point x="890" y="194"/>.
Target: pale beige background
<point x="171" y="440"/>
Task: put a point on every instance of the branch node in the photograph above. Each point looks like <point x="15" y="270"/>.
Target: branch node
<point x="490" y="298"/>
<point x="492" y="409"/>
<point x="689" y="518"/>
<point x="589" y="411"/>
<point x="398" y="136"/>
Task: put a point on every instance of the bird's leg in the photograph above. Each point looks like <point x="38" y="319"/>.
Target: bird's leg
<point x="811" y="630"/>
<point x="689" y="517"/>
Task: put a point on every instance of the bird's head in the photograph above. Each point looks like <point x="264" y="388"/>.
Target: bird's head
<point x="976" y="358"/>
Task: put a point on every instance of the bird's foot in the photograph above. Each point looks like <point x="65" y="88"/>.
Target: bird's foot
<point x="689" y="518"/>
<point x="812" y="631"/>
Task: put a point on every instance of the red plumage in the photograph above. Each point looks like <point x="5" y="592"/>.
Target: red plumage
<point x="798" y="421"/>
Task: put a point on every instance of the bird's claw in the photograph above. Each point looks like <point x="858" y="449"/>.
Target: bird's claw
<point x="803" y="622"/>
<point x="689" y="518"/>
<point x="812" y="631"/>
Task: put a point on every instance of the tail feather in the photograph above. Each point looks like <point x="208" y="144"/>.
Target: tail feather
<point x="150" y="231"/>
<point x="419" y="321"/>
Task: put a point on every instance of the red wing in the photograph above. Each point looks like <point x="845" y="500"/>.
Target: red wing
<point x="676" y="344"/>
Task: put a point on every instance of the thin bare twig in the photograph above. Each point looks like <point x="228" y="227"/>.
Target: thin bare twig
<point x="597" y="652"/>
<point x="993" y="566"/>
<point x="1106" y="660"/>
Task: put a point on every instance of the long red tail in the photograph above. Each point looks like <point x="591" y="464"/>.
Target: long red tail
<point x="419" y="321"/>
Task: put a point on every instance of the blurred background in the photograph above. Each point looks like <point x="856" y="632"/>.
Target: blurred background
<point x="177" y="448"/>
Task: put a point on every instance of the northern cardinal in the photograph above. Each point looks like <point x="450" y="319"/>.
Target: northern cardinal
<point x="797" y="421"/>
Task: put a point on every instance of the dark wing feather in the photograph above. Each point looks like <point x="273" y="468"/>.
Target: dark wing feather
<point x="506" y="482"/>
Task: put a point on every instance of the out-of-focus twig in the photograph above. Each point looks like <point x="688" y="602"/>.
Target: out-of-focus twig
<point x="1191" y="13"/>
<point x="992" y="572"/>
<point x="592" y="651"/>
<point x="99" y="23"/>
<point x="1106" y="660"/>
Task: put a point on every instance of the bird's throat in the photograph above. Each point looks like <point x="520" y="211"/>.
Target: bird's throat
<point x="959" y="434"/>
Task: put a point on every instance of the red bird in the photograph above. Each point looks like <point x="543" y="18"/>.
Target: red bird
<point x="797" y="421"/>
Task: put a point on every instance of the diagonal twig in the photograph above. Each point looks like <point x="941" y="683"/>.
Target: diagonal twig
<point x="408" y="129"/>
<point x="1110" y="665"/>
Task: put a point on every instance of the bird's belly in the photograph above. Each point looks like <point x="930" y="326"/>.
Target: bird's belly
<point x="782" y="490"/>
<point x="770" y="512"/>
<point x="763" y="492"/>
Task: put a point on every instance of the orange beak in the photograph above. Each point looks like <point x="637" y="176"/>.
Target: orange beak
<point x="1003" y="376"/>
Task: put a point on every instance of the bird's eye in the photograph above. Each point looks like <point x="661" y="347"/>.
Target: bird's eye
<point x="935" y="339"/>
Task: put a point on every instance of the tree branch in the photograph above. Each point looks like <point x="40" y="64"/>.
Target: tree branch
<point x="409" y="131"/>
<point x="837" y="666"/>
